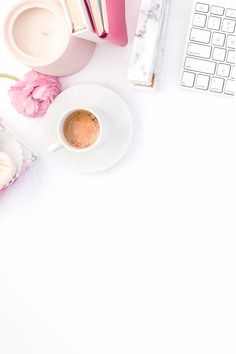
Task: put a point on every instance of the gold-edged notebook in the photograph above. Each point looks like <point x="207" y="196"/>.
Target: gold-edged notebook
<point x="76" y="16"/>
<point x="98" y="13"/>
<point x="97" y="20"/>
<point x="105" y="15"/>
<point x="109" y="20"/>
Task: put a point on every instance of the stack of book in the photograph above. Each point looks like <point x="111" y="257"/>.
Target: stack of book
<point x="97" y="20"/>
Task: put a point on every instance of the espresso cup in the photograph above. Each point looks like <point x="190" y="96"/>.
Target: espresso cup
<point x="101" y="123"/>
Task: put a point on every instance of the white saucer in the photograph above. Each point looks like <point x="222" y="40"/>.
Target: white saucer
<point x="120" y="137"/>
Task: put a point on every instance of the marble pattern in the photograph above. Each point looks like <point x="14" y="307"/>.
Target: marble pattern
<point x="146" y="42"/>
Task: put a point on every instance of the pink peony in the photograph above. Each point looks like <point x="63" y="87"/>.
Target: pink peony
<point x="32" y="95"/>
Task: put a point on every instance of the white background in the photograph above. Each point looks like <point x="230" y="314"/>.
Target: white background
<point x="141" y="258"/>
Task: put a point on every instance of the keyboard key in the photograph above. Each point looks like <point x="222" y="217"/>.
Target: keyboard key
<point x="202" y="7"/>
<point x="202" y="82"/>
<point x="228" y="26"/>
<point x="223" y="70"/>
<point x="188" y="79"/>
<point x="219" y="54"/>
<point x="232" y="75"/>
<point x="230" y="41"/>
<point x="231" y="57"/>
<point x="230" y="87"/>
<point x="203" y="66"/>
<point x="199" y="50"/>
<point x="217" y="10"/>
<point x="217" y="84"/>
<point x="200" y="35"/>
<point x="214" y="23"/>
<point x="199" y="20"/>
<point x="218" y="39"/>
<point x="231" y="13"/>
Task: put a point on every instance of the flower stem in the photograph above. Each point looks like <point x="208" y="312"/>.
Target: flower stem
<point x="6" y="76"/>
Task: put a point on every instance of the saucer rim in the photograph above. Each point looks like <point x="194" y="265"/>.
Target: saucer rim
<point x="128" y="120"/>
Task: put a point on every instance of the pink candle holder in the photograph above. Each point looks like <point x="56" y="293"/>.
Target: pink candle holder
<point x="37" y="35"/>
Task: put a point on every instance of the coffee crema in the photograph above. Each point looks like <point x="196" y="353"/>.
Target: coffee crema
<point x="81" y="129"/>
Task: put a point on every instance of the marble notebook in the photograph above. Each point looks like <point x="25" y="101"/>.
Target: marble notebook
<point x="148" y="43"/>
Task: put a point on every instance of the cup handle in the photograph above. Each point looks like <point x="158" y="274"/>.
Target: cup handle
<point x="54" y="147"/>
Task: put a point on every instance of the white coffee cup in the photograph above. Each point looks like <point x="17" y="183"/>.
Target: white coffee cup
<point x="104" y="127"/>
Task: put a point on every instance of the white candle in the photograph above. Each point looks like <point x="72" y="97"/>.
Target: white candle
<point x="37" y="35"/>
<point x="38" y="32"/>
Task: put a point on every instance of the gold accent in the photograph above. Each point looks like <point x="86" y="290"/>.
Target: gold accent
<point x="6" y="76"/>
<point x="152" y="84"/>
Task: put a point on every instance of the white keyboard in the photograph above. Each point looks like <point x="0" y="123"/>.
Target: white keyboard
<point x="209" y="61"/>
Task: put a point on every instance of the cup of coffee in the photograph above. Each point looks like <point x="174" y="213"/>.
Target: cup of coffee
<point x="81" y="130"/>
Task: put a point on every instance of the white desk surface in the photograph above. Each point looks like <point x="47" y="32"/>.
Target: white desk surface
<point x="141" y="258"/>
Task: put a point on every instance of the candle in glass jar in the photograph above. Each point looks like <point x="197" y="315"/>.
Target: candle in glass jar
<point x="37" y="35"/>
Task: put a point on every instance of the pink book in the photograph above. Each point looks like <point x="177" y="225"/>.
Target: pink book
<point x="108" y="17"/>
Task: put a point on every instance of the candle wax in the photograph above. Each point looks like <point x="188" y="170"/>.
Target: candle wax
<point x="38" y="32"/>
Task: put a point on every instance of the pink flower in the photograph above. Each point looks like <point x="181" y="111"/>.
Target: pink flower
<point x="32" y="95"/>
